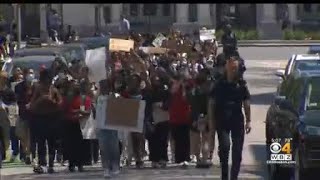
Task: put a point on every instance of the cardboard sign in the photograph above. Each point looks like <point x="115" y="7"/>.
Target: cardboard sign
<point x="96" y="62"/>
<point x="153" y="50"/>
<point x="157" y="42"/>
<point x="112" y="115"/>
<point x="170" y="44"/>
<point x="207" y="34"/>
<point x="120" y="45"/>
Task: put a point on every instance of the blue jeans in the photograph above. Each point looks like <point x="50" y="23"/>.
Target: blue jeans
<point x="109" y="148"/>
<point x="15" y="143"/>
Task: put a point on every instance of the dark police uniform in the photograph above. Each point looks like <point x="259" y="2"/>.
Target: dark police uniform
<point x="228" y="97"/>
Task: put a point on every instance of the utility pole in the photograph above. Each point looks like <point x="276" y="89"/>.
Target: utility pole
<point x="18" y="18"/>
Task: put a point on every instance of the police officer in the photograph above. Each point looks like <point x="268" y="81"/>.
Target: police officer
<point x="228" y="40"/>
<point x="230" y="94"/>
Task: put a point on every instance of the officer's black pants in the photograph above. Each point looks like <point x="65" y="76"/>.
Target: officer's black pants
<point x="237" y="137"/>
<point x="158" y="143"/>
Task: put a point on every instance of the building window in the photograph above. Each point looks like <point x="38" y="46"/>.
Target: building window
<point x="134" y="9"/>
<point x="166" y="9"/>
<point x="307" y="8"/>
<point x="149" y="9"/>
<point x="107" y="14"/>
<point x="193" y="12"/>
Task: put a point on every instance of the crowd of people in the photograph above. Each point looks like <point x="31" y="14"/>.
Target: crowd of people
<point x="189" y="98"/>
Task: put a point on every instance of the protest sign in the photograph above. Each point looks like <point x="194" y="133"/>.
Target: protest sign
<point x="112" y="115"/>
<point x="88" y="128"/>
<point x="120" y="45"/>
<point x="207" y="34"/>
<point x="96" y="62"/>
<point x="153" y="50"/>
<point x="157" y="42"/>
<point x="170" y="44"/>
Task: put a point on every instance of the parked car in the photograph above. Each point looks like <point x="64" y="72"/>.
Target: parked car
<point x="295" y="114"/>
<point x="302" y="62"/>
<point x="69" y="52"/>
<point x="314" y="49"/>
<point x="34" y="62"/>
<point x="95" y="42"/>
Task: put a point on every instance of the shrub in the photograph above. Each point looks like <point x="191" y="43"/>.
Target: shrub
<point x="313" y="35"/>
<point x="288" y="35"/>
<point x="299" y="35"/>
<point x="252" y="35"/>
<point x="240" y="34"/>
<point x="219" y="34"/>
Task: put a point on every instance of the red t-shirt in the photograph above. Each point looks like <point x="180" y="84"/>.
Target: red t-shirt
<point x="179" y="109"/>
<point x="75" y="105"/>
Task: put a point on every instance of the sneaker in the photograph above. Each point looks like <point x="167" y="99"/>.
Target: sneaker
<point x="115" y="173"/>
<point x="38" y="169"/>
<point x="193" y="158"/>
<point x="80" y="168"/>
<point x="139" y="164"/>
<point x="27" y="161"/>
<point x="106" y="174"/>
<point x="185" y="164"/>
<point x="72" y="168"/>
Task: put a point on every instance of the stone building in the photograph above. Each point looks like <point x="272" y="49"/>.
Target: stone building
<point x="88" y="18"/>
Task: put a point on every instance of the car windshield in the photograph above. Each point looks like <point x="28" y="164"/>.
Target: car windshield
<point x="313" y="94"/>
<point x="74" y="54"/>
<point x="34" y="64"/>
<point x="307" y="65"/>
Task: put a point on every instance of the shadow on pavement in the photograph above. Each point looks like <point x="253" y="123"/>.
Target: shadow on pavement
<point x="262" y="99"/>
<point x="259" y="153"/>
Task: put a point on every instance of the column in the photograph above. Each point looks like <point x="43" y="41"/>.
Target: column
<point x="269" y="13"/>
<point x="43" y="22"/>
<point x="204" y="18"/>
<point x="292" y="8"/>
<point x="182" y="13"/>
<point x="266" y="22"/>
<point x="116" y="10"/>
<point x="103" y="24"/>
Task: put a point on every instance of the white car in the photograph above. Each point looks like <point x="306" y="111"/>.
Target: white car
<point x="302" y="62"/>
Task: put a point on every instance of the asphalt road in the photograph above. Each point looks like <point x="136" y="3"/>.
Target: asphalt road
<point x="261" y="64"/>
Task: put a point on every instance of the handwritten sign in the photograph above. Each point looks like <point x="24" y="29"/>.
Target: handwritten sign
<point x="157" y="42"/>
<point x="110" y="114"/>
<point x="207" y="34"/>
<point x="120" y="45"/>
<point x="96" y="62"/>
<point x="153" y="50"/>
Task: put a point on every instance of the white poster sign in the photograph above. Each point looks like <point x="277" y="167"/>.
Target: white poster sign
<point x="207" y="34"/>
<point x="157" y="42"/>
<point x="96" y="62"/>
